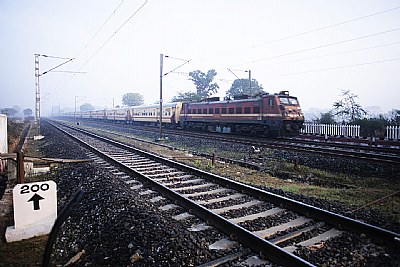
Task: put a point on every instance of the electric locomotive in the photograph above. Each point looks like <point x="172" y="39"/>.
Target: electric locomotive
<point x="268" y="115"/>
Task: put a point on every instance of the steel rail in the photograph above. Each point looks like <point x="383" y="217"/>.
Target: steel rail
<point x="256" y="243"/>
<point x="305" y="209"/>
<point x="384" y="158"/>
<point x="349" y="145"/>
<point x="306" y="147"/>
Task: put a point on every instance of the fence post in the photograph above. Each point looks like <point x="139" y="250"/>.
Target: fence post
<point x="387" y="132"/>
<point x="20" y="168"/>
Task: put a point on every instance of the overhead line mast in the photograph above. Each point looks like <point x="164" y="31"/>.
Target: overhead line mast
<point x="37" y="106"/>
<point x="37" y="87"/>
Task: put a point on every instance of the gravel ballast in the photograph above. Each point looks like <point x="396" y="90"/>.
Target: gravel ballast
<point x="115" y="226"/>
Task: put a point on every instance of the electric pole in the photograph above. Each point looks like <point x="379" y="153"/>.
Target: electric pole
<point x="37" y="105"/>
<point x="161" y="99"/>
<point x="37" y="75"/>
<point x="161" y="77"/>
<point x="250" y="82"/>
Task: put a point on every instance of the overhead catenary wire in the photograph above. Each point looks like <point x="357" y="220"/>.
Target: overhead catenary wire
<point x="101" y="27"/>
<point x="326" y="45"/>
<point x="66" y="58"/>
<point x="303" y="33"/>
<point x="187" y="75"/>
<point x="105" y="42"/>
<point x="112" y="35"/>
<point x="334" y="68"/>
<point x="86" y="45"/>
<point x="264" y="43"/>
<point x="342" y="52"/>
<point x="68" y="71"/>
<point x="69" y="60"/>
<point x="187" y="61"/>
<point x="317" y="47"/>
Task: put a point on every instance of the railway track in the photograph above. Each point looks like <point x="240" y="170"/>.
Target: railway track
<point x="333" y="149"/>
<point x="271" y="225"/>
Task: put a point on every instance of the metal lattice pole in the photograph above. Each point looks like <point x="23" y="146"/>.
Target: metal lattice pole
<point x="37" y="75"/>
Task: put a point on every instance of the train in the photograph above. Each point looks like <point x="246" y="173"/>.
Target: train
<point x="277" y="114"/>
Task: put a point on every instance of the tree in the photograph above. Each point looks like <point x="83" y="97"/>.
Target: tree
<point x="186" y="96"/>
<point x="203" y="82"/>
<point x="10" y="112"/>
<point x="374" y="127"/>
<point x="327" y="118"/>
<point x="348" y="108"/>
<point x="17" y="108"/>
<point x="86" y="107"/>
<point x="395" y="116"/>
<point x="132" y="99"/>
<point x="241" y="87"/>
<point x="27" y="112"/>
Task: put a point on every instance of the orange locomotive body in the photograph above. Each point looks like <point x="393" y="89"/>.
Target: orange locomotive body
<point x="269" y="115"/>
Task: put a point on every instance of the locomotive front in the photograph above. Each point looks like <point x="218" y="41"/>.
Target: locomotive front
<point x="292" y="116"/>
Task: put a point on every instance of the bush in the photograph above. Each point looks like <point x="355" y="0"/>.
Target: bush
<point x="372" y="127"/>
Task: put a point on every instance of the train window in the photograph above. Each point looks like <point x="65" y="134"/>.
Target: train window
<point x="210" y="111"/>
<point x="239" y="110"/>
<point x="270" y="102"/>
<point x="284" y="100"/>
<point x="293" y="101"/>
<point x="199" y="111"/>
<point x="231" y="110"/>
<point x="189" y="111"/>
<point x="194" y="111"/>
<point x="216" y="110"/>
<point x="204" y="111"/>
<point x="256" y="110"/>
<point x="247" y="110"/>
<point x="223" y="111"/>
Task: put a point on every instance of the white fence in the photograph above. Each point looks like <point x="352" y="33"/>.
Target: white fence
<point x="331" y="129"/>
<point x="393" y="132"/>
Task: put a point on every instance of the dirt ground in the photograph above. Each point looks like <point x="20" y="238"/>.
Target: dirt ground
<point x="26" y="252"/>
<point x="23" y="253"/>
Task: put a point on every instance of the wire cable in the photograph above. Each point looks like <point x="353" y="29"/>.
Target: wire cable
<point x="69" y="60"/>
<point x="340" y="53"/>
<point x="101" y="27"/>
<point x="335" y="68"/>
<point x="317" y="47"/>
<point x="112" y="35"/>
<point x="98" y="50"/>
<point x="53" y="57"/>
<point x="303" y="33"/>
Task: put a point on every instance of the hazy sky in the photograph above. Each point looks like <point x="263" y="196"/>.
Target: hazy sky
<point x="312" y="48"/>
